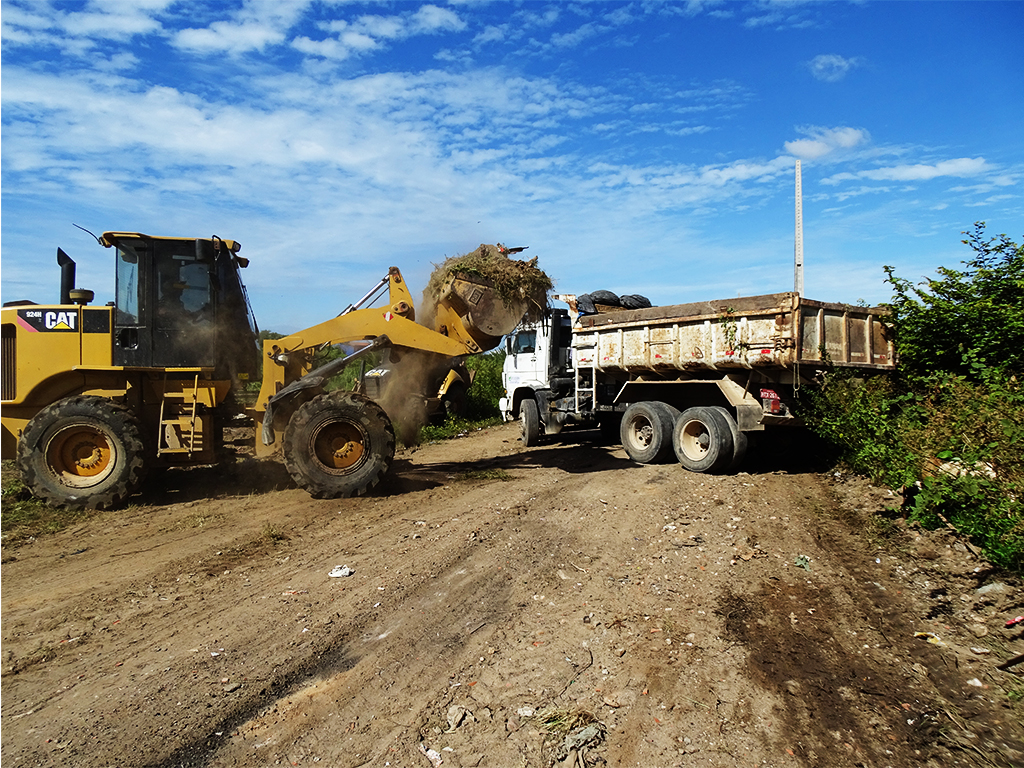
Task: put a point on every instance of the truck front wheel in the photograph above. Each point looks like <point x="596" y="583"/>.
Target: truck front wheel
<point x="82" y="452"/>
<point x="339" y="444"/>
<point x="646" y="431"/>
<point x="703" y="440"/>
<point x="529" y="422"/>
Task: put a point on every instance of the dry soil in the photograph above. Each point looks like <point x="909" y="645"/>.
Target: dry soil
<point x="509" y="607"/>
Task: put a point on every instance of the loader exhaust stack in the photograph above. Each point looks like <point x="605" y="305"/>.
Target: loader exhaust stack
<point x="67" y="276"/>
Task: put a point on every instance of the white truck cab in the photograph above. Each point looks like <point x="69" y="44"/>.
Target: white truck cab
<point x="535" y="353"/>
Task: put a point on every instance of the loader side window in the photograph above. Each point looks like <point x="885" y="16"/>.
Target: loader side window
<point x="194" y="280"/>
<point x="127" y="288"/>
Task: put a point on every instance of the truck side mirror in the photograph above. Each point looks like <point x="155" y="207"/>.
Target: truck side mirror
<point x="508" y="345"/>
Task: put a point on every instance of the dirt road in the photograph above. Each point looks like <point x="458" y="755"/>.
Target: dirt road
<point x="498" y="595"/>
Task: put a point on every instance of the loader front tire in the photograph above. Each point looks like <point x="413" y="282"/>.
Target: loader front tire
<point x="339" y="444"/>
<point x="646" y="431"/>
<point x="83" y="452"/>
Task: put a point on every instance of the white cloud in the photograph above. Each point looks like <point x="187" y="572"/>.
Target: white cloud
<point x="959" y="167"/>
<point x="256" y="25"/>
<point x="830" y="67"/>
<point x="229" y="37"/>
<point x="429" y="19"/>
<point x="369" y="32"/>
<point x="77" y="32"/>
<point x="824" y="141"/>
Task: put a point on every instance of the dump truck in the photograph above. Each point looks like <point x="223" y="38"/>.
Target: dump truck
<point x="95" y="397"/>
<point x="691" y="380"/>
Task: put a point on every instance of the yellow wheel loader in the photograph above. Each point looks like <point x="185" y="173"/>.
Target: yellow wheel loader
<point x="93" y="397"/>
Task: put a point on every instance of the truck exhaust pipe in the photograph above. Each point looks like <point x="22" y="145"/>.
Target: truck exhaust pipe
<point x="67" y="276"/>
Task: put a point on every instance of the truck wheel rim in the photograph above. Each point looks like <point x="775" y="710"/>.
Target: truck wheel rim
<point x="81" y="455"/>
<point x="694" y="440"/>
<point x="339" y="446"/>
<point x="643" y="432"/>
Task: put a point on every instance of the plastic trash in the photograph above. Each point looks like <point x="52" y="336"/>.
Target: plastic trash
<point x="340" y="571"/>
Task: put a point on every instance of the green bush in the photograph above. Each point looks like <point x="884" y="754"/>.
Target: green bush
<point x="949" y="425"/>
<point x="969" y="321"/>
<point x="487" y="388"/>
<point x="481" y="400"/>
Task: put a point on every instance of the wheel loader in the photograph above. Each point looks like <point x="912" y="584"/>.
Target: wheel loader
<point x="95" y="397"/>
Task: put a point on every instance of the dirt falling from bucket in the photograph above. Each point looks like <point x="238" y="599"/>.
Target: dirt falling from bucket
<point x="411" y="396"/>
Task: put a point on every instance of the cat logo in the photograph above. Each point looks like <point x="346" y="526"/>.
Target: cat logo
<point x="60" y="321"/>
<point x="39" y="320"/>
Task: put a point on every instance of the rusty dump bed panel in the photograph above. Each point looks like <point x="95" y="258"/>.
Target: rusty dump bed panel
<point x="775" y="331"/>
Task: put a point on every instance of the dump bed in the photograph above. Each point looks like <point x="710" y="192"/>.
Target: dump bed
<point x="778" y="330"/>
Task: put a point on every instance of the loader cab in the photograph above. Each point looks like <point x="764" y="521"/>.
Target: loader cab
<point x="181" y="303"/>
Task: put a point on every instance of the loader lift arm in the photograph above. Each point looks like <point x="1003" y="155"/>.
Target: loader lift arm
<point x="291" y="355"/>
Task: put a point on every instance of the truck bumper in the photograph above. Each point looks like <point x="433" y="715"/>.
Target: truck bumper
<point x="505" y="406"/>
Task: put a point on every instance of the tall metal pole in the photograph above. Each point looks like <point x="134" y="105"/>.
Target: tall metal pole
<point x="798" y="250"/>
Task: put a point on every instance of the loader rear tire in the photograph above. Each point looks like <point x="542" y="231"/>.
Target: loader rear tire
<point x="83" y="452"/>
<point x="339" y="444"/>
<point x="529" y="422"/>
<point x="646" y="431"/>
<point x="703" y="440"/>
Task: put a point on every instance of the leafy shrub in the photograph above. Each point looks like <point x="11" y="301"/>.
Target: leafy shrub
<point x="969" y="321"/>
<point x="949" y="426"/>
<point x="487" y="388"/>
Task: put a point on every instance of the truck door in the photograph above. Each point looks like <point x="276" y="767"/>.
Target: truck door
<point x="527" y="361"/>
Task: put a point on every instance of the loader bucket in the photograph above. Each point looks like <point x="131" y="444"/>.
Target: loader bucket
<point x="486" y="316"/>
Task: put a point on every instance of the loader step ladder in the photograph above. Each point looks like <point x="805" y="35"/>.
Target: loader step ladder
<point x="178" y="420"/>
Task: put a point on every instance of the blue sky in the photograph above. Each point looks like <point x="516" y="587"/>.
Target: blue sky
<point x="640" y="147"/>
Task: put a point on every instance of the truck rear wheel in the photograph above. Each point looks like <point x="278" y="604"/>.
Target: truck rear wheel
<point x="83" y="452"/>
<point x="702" y="439"/>
<point x="529" y="422"/>
<point x="646" y="431"/>
<point x="739" y="439"/>
<point x="339" y="444"/>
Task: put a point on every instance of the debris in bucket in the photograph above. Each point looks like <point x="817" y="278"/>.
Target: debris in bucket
<point x="930" y="637"/>
<point x="1015" y="622"/>
<point x="341" y="570"/>
<point x="513" y="280"/>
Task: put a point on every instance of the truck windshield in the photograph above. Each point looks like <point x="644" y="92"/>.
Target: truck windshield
<point x="526" y="341"/>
